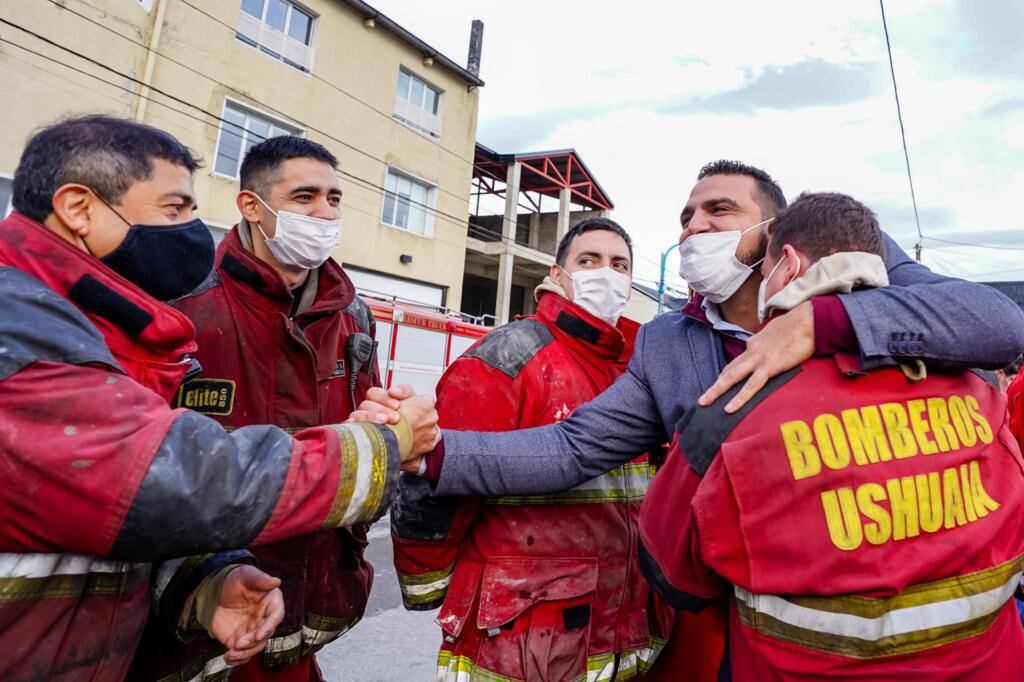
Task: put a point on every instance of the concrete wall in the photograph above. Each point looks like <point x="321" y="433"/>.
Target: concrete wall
<point x="350" y="57"/>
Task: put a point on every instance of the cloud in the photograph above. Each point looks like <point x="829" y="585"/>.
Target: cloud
<point x="808" y="83"/>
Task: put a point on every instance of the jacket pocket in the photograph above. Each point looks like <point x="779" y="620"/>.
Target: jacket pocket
<point x="534" y="617"/>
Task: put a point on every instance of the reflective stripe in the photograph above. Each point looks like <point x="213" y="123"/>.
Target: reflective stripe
<point x="600" y="667"/>
<point x="164" y="575"/>
<point x="363" y="477"/>
<point x="429" y="588"/>
<point x="425" y="587"/>
<point x="212" y="667"/>
<point x="923" y="625"/>
<point x="316" y="632"/>
<point x="28" y="577"/>
<point x="627" y="483"/>
<point x="46" y="565"/>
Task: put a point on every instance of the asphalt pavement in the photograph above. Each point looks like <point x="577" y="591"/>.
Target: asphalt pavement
<point x="390" y="644"/>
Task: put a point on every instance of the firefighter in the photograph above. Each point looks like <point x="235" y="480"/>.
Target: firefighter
<point x="545" y="587"/>
<point x="866" y="525"/>
<point x="283" y="339"/>
<point x="101" y="474"/>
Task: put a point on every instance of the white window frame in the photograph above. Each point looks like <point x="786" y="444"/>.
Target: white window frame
<point x="267" y="32"/>
<point x="248" y="110"/>
<point x="6" y="210"/>
<point x="432" y="189"/>
<point x="416" y="116"/>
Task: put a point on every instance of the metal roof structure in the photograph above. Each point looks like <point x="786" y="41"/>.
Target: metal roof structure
<point x="407" y="36"/>
<point x="545" y="172"/>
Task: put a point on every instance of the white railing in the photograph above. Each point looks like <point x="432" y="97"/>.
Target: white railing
<point x="270" y="38"/>
<point x="417" y="117"/>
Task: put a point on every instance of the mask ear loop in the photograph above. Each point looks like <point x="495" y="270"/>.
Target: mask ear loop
<point x="259" y="224"/>
<point x="114" y="210"/>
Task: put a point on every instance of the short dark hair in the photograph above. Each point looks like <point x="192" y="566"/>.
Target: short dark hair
<point x="262" y="163"/>
<point x="824" y="223"/>
<point x="105" y="153"/>
<point x="591" y="225"/>
<point x="769" y="195"/>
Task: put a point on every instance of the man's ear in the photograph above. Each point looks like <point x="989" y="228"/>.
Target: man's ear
<point x="795" y="264"/>
<point x="555" y="273"/>
<point x="249" y="207"/>
<point x="74" y="209"/>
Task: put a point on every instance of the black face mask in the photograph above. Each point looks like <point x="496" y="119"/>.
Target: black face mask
<point x="165" y="262"/>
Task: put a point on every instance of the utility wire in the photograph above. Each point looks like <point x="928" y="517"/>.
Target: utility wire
<point x="366" y="184"/>
<point x="980" y="246"/>
<point x="903" y="133"/>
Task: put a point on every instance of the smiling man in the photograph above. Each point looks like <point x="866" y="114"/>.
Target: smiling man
<point x="284" y="339"/>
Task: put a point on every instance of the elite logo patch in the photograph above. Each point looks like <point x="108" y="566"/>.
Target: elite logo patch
<point x="209" y="396"/>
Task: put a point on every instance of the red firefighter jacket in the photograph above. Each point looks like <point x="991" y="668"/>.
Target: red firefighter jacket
<point x="544" y="587"/>
<point x="268" y="358"/>
<point x="101" y="473"/>
<point x="873" y="535"/>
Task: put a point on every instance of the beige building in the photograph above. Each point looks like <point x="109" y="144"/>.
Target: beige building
<point x="222" y="75"/>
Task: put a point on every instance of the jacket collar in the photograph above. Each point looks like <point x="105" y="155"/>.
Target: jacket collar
<point x="262" y="285"/>
<point x="571" y="323"/>
<point x="130" y="320"/>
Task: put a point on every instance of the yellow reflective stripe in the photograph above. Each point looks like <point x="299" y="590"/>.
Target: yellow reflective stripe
<point x="20" y="588"/>
<point x="947" y="589"/>
<point x="363" y="475"/>
<point x="462" y="669"/>
<point x="600" y="667"/>
<point x="627" y="483"/>
<point x="946" y="611"/>
<point x="425" y="587"/>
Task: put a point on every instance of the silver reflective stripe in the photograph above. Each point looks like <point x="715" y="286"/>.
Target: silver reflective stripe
<point x="49" y="565"/>
<point x="897" y="622"/>
<point x="420" y="590"/>
<point x="278" y="645"/>
<point x="163" y="576"/>
<point x="212" y="667"/>
<point x="364" y="482"/>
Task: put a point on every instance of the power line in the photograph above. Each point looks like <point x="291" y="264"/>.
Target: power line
<point x="980" y="246"/>
<point x="903" y="133"/>
<point x="363" y="182"/>
<point x="232" y="89"/>
<point x="233" y="31"/>
<point x="457" y="221"/>
<point x="433" y="210"/>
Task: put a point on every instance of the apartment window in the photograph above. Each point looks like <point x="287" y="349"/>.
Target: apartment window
<point x="407" y="203"/>
<point x="5" y="196"/>
<point x="278" y="28"/>
<point x="417" y="104"/>
<point x="243" y="129"/>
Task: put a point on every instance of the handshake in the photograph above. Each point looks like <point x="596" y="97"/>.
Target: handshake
<point x="397" y="405"/>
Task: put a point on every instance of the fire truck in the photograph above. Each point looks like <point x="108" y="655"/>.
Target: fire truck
<point x="416" y="343"/>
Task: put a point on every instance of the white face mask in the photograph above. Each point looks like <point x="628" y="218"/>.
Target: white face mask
<point x="601" y="292"/>
<point x="762" y="304"/>
<point x="708" y="263"/>
<point x="301" y="241"/>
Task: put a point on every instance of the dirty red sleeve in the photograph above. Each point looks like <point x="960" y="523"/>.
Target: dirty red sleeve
<point x="833" y="331"/>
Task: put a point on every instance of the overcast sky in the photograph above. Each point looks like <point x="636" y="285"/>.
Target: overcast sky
<point x="647" y="92"/>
